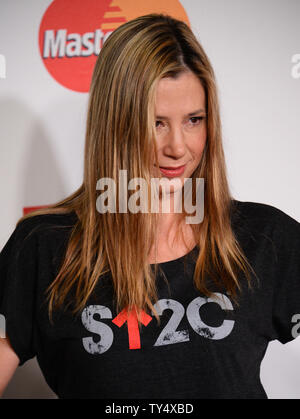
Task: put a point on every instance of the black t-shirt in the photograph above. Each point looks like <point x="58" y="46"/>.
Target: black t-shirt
<point x="203" y="348"/>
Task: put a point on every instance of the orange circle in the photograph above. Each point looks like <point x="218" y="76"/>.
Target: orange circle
<point x="72" y="33"/>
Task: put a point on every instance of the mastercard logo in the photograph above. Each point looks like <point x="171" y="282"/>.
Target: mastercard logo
<point x="72" y="33"/>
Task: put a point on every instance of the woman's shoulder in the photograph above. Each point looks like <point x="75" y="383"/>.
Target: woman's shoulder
<point x="263" y="218"/>
<point x="28" y="229"/>
<point x="35" y="235"/>
<point x="40" y="222"/>
<point x="259" y="211"/>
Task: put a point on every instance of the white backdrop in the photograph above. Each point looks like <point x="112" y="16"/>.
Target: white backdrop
<point x="42" y="126"/>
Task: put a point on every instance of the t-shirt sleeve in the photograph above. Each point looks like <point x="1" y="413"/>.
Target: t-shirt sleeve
<point x="286" y="297"/>
<point x="18" y="274"/>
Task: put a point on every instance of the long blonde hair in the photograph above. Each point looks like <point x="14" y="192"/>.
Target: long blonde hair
<point x="120" y="134"/>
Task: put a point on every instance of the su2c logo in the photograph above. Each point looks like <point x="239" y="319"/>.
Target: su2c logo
<point x="169" y="335"/>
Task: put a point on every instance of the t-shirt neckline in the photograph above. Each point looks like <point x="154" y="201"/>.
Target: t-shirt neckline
<point x="179" y="259"/>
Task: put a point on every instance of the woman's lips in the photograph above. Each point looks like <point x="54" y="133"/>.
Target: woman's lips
<point x="172" y="172"/>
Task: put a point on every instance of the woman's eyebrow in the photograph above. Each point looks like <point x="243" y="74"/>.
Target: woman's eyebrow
<point x="189" y="114"/>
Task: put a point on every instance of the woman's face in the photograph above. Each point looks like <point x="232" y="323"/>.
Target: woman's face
<point x="180" y="125"/>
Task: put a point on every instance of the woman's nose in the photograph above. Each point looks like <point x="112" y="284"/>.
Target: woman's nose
<point x="174" y="144"/>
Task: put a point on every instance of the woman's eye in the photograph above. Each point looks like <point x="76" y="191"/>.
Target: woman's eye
<point x="196" y="119"/>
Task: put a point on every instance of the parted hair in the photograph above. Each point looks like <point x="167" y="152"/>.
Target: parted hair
<point x="120" y="134"/>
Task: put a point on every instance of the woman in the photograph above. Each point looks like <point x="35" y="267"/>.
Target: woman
<point x="126" y="304"/>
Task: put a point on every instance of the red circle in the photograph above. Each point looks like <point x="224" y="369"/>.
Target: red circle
<point x="65" y="27"/>
<point x="72" y="33"/>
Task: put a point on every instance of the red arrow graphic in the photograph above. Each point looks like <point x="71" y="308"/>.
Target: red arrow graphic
<point x="132" y="324"/>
